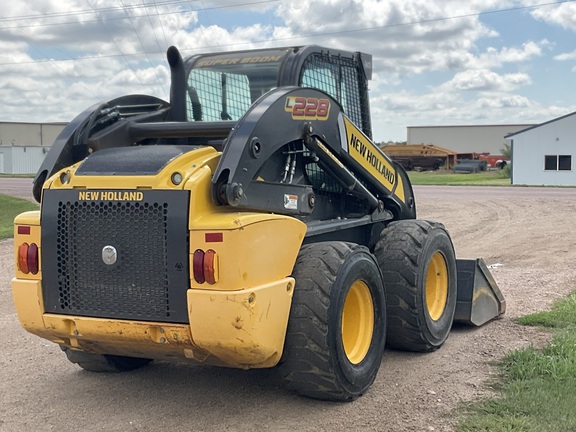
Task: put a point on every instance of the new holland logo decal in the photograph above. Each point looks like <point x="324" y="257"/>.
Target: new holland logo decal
<point x="110" y="196"/>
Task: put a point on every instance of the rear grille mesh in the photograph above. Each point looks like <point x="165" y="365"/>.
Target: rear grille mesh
<point x="149" y="279"/>
<point x="139" y="278"/>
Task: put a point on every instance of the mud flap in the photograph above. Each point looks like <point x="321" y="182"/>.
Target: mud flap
<point x="479" y="299"/>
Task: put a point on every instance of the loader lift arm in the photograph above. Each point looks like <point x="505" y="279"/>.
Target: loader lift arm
<point x="263" y="139"/>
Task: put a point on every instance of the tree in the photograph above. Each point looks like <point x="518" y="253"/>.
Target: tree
<point x="506" y="151"/>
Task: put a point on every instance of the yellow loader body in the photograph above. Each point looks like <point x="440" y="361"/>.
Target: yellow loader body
<point x="239" y="320"/>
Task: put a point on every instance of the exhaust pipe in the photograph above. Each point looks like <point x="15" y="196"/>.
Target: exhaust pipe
<point x="177" y="85"/>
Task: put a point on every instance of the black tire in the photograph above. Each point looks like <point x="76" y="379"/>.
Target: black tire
<point x="104" y="363"/>
<point x="336" y="283"/>
<point x="419" y="272"/>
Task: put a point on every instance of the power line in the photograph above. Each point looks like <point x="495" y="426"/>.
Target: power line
<point x="84" y="12"/>
<point x="117" y="9"/>
<point x="118" y="48"/>
<point x="154" y="30"/>
<point x="409" y="23"/>
<point x="315" y="35"/>
<point x="64" y="73"/>
<point x="144" y="48"/>
<point x="160" y="22"/>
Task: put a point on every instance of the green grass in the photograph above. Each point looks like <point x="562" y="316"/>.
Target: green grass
<point x="17" y="175"/>
<point x="562" y="315"/>
<point x="486" y="178"/>
<point x="9" y="208"/>
<point x="538" y="387"/>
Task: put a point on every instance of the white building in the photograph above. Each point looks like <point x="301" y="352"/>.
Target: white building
<point x="23" y="146"/>
<point x="464" y="139"/>
<point x="544" y="154"/>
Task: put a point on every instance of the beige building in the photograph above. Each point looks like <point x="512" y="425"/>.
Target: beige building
<point x="465" y="139"/>
<point x="23" y="146"/>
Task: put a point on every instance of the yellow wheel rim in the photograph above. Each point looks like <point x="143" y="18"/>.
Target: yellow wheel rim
<point x="436" y="286"/>
<point x="357" y="322"/>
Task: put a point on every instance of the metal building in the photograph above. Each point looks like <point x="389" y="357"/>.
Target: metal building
<point x="465" y="139"/>
<point x="544" y="154"/>
<point x="23" y="146"/>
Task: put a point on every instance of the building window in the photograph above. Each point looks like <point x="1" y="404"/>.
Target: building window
<point x="565" y="162"/>
<point x="558" y="163"/>
<point x="550" y="163"/>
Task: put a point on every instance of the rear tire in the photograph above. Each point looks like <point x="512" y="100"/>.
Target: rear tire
<point x="337" y="329"/>
<point x="419" y="273"/>
<point x="104" y="363"/>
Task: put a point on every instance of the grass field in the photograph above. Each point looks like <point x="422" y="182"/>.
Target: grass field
<point x="9" y="208"/>
<point x="485" y="178"/>
<point x="538" y="387"/>
<point x="17" y="175"/>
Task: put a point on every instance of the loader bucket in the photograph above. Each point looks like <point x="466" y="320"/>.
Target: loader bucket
<point x="479" y="299"/>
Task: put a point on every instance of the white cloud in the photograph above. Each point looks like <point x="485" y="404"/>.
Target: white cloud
<point x="566" y="56"/>
<point x="493" y="57"/>
<point x="486" y="80"/>
<point x="102" y="27"/>
<point x="61" y="56"/>
<point x="563" y="14"/>
<point x="404" y="36"/>
<point x="503" y="101"/>
<point x="439" y="108"/>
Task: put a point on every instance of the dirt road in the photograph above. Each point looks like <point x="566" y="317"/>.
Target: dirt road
<point x="18" y="187"/>
<point x="526" y="232"/>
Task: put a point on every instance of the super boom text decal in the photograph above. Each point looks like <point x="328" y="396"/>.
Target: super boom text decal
<point x="237" y="60"/>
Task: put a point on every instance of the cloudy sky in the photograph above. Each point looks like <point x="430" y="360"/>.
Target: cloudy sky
<point x="436" y="62"/>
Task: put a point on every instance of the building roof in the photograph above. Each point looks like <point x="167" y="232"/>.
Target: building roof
<point x="538" y="125"/>
<point x="471" y="126"/>
<point x="415" y="150"/>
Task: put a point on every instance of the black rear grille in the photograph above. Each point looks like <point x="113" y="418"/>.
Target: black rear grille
<point x="149" y="277"/>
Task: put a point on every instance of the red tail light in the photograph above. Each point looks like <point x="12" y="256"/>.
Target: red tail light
<point x="28" y="261"/>
<point x="32" y="258"/>
<point x="198" y="266"/>
<point x="205" y="266"/>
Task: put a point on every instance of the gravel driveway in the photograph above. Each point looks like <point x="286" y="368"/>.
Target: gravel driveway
<point x="526" y="232"/>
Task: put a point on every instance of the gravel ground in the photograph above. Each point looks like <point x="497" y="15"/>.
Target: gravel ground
<point x="523" y="231"/>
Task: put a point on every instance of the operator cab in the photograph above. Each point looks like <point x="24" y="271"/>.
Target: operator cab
<point x="223" y="86"/>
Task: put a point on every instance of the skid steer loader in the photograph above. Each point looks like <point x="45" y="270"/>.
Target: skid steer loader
<point x="250" y="222"/>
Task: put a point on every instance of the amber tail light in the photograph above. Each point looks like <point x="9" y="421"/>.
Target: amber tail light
<point x="28" y="258"/>
<point x="205" y="266"/>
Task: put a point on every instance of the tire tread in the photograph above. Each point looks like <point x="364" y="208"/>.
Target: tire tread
<point x="399" y="255"/>
<point x="307" y="334"/>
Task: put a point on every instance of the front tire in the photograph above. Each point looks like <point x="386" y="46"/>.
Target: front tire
<point x="419" y="271"/>
<point x="337" y="328"/>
